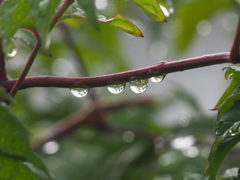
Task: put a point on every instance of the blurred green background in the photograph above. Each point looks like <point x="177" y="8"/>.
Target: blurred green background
<point x="167" y="138"/>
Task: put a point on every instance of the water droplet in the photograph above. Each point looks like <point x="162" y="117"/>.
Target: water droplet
<point x="79" y="92"/>
<point x="158" y="78"/>
<point x="11" y="50"/>
<point x="139" y="86"/>
<point x="116" y="89"/>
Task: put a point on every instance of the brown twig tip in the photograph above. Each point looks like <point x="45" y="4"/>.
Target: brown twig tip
<point x="234" y="53"/>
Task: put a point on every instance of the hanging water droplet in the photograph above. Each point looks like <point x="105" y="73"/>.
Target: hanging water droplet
<point x="139" y="86"/>
<point x="116" y="89"/>
<point x="11" y="50"/>
<point x="79" y="92"/>
<point x="158" y="78"/>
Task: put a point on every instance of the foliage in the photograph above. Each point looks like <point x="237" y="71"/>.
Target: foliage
<point x="129" y="141"/>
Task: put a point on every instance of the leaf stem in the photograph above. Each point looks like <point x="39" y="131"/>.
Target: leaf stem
<point x="60" y="12"/>
<point x="122" y="77"/>
<point x="234" y="53"/>
<point x="3" y="73"/>
<point x="28" y="65"/>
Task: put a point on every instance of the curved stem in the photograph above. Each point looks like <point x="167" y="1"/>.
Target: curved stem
<point x="122" y="77"/>
<point x="60" y="12"/>
<point x="28" y="65"/>
<point x="234" y="54"/>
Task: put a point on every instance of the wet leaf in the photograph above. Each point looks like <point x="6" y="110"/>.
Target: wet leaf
<point x="12" y="168"/>
<point x="125" y="25"/>
<point x="119" y="21"/>
<point x="27" y="38"/>
<point x="232" y="72"/>
<point x="14" y="142"/>
<point x="228" y="135"/>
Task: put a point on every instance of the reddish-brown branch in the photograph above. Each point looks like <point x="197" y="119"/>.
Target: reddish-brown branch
<point x="122" y="77"/>
<point x="92" y="115"/>
<point x="60" y="12"/>
<point x="28" y="65"/>
<point x="3" y="73"/>
<point x="234" y="54"/>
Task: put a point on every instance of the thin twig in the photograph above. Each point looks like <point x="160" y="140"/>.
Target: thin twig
<point x="60" y="12"/>
<point x="122" y="77"/>
<point x="234" y="53"/>
<point x="3" y="73"/>
<point x="92" y="115"/>
<point x="28" y="65"/>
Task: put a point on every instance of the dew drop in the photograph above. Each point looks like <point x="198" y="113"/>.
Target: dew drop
<point x="79" y="92"/>
<point x="11" y="50"/>
<point x="158" y="78"/>
<point x="139" y="86"/>
<point x="116" y="89"/>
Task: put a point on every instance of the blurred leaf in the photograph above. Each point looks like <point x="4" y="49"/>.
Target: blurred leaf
<point x="190" y="13"/>
<point x="89" y="7"/>
<point x="14" y="141"/>
<point x="228" y="135"/>
<point x="232" y="72"/>
<point x="12" y="168"/>
<point x="151" y="8"/>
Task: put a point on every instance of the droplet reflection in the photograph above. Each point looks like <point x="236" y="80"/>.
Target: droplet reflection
<point x="116" y="89"/>
<point x="139" y="86"/>
<point x="158" y="78"/>
<point x="79" y="92"/>
<point x="11" y="50"/>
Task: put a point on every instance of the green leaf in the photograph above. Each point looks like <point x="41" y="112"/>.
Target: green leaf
<point x="118" y="21"/>
<point x="40" y="17"/>
<point x="124" y="24"/>
<point x="14" y="142"/>
<point x="228" y="135"/>
<point x="12" y="15"/>
<point x="232" y="72"/>
<point x="12" y="168"/>
<point x="151" y="8"/>
<point x="89" y="7"/>
<point x="27" y="38"/>
<point x="189" y="14"/>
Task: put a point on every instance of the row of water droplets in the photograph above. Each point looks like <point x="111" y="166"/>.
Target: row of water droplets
<point x="137" y="86"/>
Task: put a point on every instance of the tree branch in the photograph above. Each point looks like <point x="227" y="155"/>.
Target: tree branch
<point x="92" y="115"/>
<point x="234" y="54"/>
<point x="3" y="73"/>
<point x="18" y="83"/>
<point x="60" y="12"/>
<point x="122" y="77"/>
